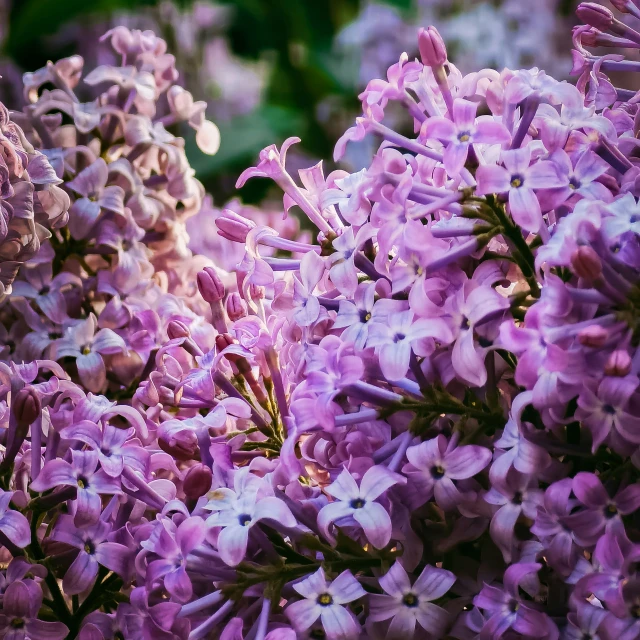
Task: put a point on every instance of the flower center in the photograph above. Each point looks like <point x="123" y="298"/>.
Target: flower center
<point x="517" y="181"/>
<point x="86" y="350"/>
<point x="398" y="337"/>
<point x="610" y="511"/>
<point x="574" y="183"/>
<point x="367" y="317"/>
<point x="82" y="482"/>
<point x="317" y="634"/>
<point x="634" y="219"/>
<point x="464" y="136"/>
<point x="609" y="408"/>
<point x="437" y="472"/>
<point x="89" y="547"/>
<point x="517" y="498"/>
<point x="357" y="503"/>
<point x="45" y="290"/>
<point x="244" y="519"/>
<point x="17" y="623"/>
<point x="53" y="335"/>
<point x="325" y="599"/>
<point x="410" y="600"/>
<point x="514" y="605"/>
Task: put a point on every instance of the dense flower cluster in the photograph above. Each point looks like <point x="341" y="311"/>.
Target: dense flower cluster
<point x="422" y="422"/>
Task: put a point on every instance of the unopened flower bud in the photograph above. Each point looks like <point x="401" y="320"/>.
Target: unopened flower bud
<point x="432" y="50"/>
<point x="594" y="336"/>
<point x="210" y="285"/>
<point x="589" y="37"/>
<point x="177" y="329"/>
<point x="197" y="481"/>
<point x="233" y="226"/>
<point x="256" y="292"/>
<point x="586" y="263"/>
<point x="236" y="307"/>
<point x="223" y="340"/>
<point x="595" y="15"/>
<point x="618" y="364"/>
<point x="26" y="406"/>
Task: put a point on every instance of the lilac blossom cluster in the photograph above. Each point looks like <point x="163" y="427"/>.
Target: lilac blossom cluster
<point x="421" y="422"/>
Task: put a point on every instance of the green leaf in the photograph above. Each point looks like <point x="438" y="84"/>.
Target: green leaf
<point x="33" y="19"/>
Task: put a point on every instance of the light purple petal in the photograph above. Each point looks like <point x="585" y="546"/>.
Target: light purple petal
<point x="455" y="156"/>
<point x="394" y="360"/>
<point x="345" y="588"/>
<point x="467" y="461"/>
<point x="54" y="474"/>
<point x="525" y="209"/>
<point x="80" y="574"/>
<point x="232" y="544"/>
<point x="432" y="618"/>
<point x="339" y="623"/>
<point x="303" y="614"/>
<point x="403" y="625"/>
<point x="344" y="487"/>
<point x="492" y="179"/>
<point x="92" y="371"/>
<point x="270" y="508"/>
<point x="440" y="129"/>
<point x="396" y="581"/>
<point x="313" y="585"/>
<point x="377" y="480"/>
<point x="376" y="523"/>
<point x="433" y="583"/>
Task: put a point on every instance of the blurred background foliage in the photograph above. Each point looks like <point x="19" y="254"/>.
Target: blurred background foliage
<point x="270" y="69"/>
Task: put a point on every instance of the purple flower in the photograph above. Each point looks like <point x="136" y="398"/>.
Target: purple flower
<point x="603" y="409"/>
<point x="552" y="529"/>
<point x="115" y="447"/>
<point x="90" y="183"/>
<point x="237" y="511"/>
<point x="12" y="523"/>
<point x="19" y="616"/>
<point x="602" y="513"/>
<point x="326" y="600"/>
<point x="410" y="604"/>
<point x="463" y="131"/>
<point x="94" y="550"/>
<point x="82" y="475"/>
<point x="395" y="339"/>
<point x="506" y="609"/>
<point x="435" y="464"/>
<point x="518" y="178"/>
<point x="173" y="545"/>
<point x="85" y="345"/>
<point x="46" y="291"/>
<point x="517" y="496"/>
<point x="358" y="503"/>
<point x="584" y="622"/>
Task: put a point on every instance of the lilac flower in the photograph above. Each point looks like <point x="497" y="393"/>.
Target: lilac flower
<point x="358" y="503"/>
<point x="435" y="464"/>
<point x="585" y="621"/>
<point x="237" y="512"/>
<point x="409" y="604"/>
<point x="326" y="600"/>
<point x="173" y="545"/>
<point x="96" y="197"/>
<point x="518" y="178"/>
<point x="506" y="608"/>
<point x="82" y="475"/>
<point x="602" y="513"/>
<point x="401" y="334"/>
<point x="85" y="345"/>
<point x="115" y="447"/>
<point x="19" y="617"/>
<point x="94" y="550"/>
<point x="46" y="291"/>
<point x="603" y="409"/>
<point x="518" y="496"/>
<point x="463" y="131"/>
